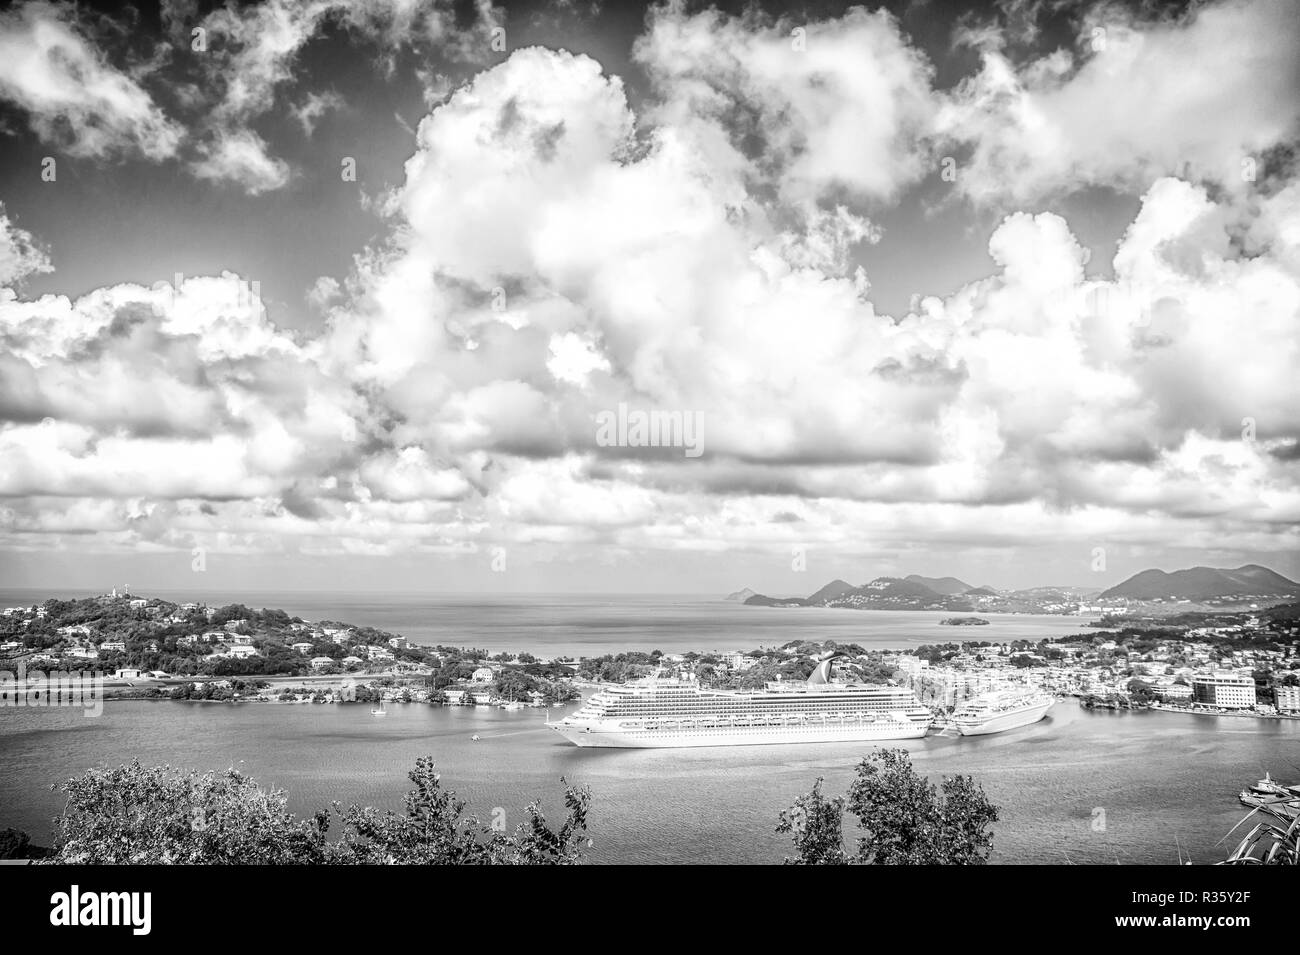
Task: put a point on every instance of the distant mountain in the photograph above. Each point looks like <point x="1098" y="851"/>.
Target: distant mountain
<point x="1200" y="584"/>
<point x="941" y="585"/>
<point x="915" y="592"/>
<point x="898" y="587"/>
<point x="836" y="588"/>
<point x="740" y="596"/>
<point x="892" y="593"/>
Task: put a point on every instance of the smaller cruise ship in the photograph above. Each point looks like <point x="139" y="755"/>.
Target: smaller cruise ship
<point x="1002" y="710"/>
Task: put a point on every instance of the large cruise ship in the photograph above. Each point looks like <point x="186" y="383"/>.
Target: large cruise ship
<point x="1002" y="710"/>
<point x="675" y="712"/>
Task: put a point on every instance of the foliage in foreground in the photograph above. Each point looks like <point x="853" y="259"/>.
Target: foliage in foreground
<point x="1275" y="838"/>
<point x="904" y="818"/>
<point x="150" y="815"/>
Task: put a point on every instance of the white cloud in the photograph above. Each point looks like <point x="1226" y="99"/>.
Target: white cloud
<point x="75" y="99"/>
<point x="839" y="103"/>
<point x="20" y="254"/>
<point x="550" y="258"/>
<point x="241" y="156"/>
<point x="1196" y="96"/>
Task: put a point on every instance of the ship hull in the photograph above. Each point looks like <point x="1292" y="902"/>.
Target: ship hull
<point x="1007" y="721"/>
<point x="602" y="736"/>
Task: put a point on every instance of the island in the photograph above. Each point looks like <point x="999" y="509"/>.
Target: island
<point x="964" y="622"/>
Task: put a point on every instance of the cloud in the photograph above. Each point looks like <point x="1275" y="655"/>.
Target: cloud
<point x="77" y="101"/>
<point x="241" y="156"/>
<point x="253" y="54"/>
<point x="316" y="105"/>
<point x="20" y="254"/>
<point x="1202" y="96"/>
<point x="805" y="107"/>
<point x="553" y="253"/>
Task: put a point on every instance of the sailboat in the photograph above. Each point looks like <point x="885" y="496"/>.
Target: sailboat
<point x="381" y="711"/>
<point x="512" y="703"/>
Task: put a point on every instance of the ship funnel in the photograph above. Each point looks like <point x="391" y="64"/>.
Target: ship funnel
<point x="822" y="672"/>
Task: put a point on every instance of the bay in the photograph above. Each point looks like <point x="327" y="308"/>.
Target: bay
<point x="548" y="625"/>
<point x="1079" y="787"/>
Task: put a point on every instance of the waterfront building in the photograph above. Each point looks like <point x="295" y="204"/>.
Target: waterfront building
<point x="1227" y="690"/>
<point x="1287" y="698"/>
<point x="1174" y="691"/>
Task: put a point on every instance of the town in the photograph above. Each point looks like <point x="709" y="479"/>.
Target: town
<point x="1243" y="663"/>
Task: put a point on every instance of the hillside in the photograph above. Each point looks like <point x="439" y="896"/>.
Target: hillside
<point x="947" y="586"/>
<point x="1201" y="584"/>
<point x="836" y="588"/>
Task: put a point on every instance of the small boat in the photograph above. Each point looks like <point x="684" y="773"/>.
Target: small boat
<point x="475" y="737"/>
<point x="380" y="711"/>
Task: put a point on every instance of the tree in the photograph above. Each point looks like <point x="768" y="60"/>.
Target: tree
<point x="904" y="818"/>
<point x="816" y="825"/>
<point x="14" y="844"/>
<point x="434" y="830"/>
<point x="1140" y="691"/>
<point x="159" y="815"/>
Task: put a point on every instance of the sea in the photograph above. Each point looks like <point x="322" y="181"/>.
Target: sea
<point x="576" y="625"/>
<point x="1079" y="787"/>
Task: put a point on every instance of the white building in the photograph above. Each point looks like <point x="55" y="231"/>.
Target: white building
<point x="1288" y="698"/>
<point x="319" y="662"/>
<point x="1174" y="691"/>
<point x="737" y="661"/>
<point x="1231" y="691"/>
<point x="482" y="675"/>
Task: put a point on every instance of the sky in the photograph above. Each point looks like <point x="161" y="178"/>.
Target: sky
<point x="375" y="295"/>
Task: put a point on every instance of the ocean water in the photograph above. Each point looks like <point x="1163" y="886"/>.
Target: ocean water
<point x="1078" y="787"/>
<point x="591" y="625"/>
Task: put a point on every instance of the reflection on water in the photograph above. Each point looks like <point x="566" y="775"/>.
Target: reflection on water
<point x="1165" y="781"/>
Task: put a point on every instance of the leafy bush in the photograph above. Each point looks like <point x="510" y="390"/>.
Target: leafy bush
<point x="904" y="818"/>
<point x="159" y="815"/>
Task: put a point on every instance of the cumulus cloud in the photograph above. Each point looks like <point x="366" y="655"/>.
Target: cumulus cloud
<point x="553" y="255"/>
<point x="1203" y="96"/>
<point x="805" y="107"/>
